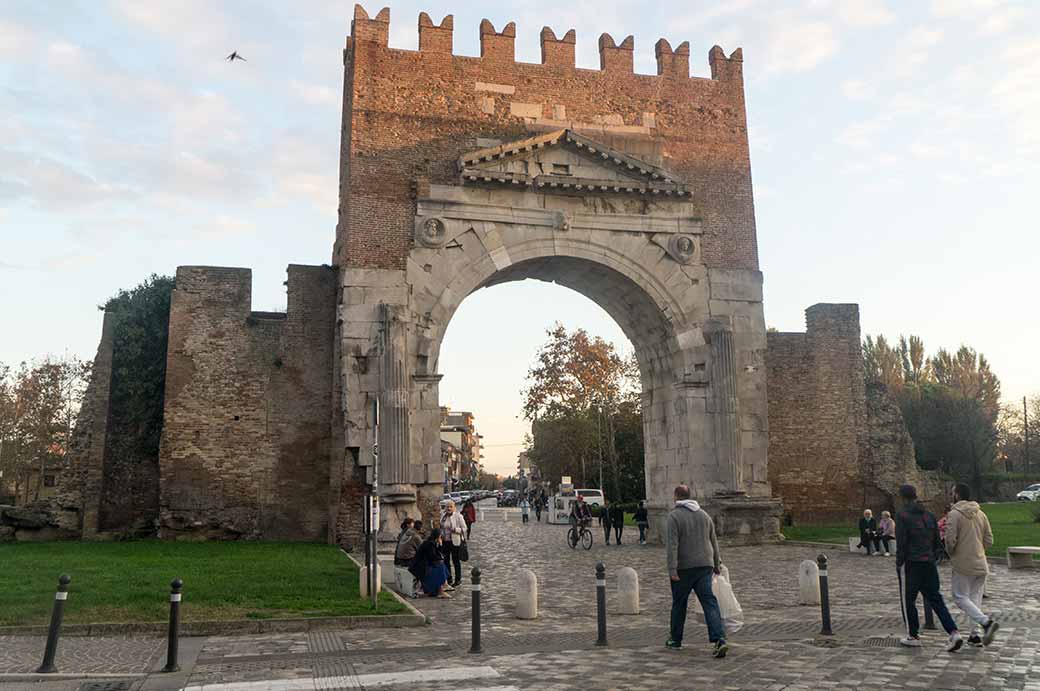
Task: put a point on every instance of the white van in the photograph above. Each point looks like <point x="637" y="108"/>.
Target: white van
<point x="593" y="497"/>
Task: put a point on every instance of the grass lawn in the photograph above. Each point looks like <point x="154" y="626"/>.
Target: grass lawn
<point x="1012" y="524"/>
<point x="130" y="581"/>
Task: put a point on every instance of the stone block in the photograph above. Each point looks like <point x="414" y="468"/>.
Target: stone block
<point x="808" y="583"/>
<point x="526" y="594"/>
<point x="525" y="110"/>
<point x="628" y="591"/>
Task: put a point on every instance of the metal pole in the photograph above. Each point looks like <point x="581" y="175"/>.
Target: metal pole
<point x="374" y="520"/>
<point x="57" y="614"/>
<point x="1025" y="418"/>
<point x="474" y="577"/>
<point x="825" y="599"/>
<point x="601" y="604"/>
<point x="175" y="619"/>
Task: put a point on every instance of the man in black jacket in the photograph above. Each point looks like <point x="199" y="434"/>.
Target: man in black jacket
<point x="917" y="547"/>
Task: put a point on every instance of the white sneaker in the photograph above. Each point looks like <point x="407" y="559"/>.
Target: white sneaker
<point x="910" y="641"/>
<point x="877" y="554"/>
<point x="954" y="643"/>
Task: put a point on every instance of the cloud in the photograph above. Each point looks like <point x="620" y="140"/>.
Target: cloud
<point x="861" y="135"/>
<point x="856" y="89"/>
<point x="51" y="183"/>
<point x="1015" y="93"/>
<point x="1004" y="20"/>
<point x="795" y="44"/>
<point x="224" y="226"/>
<point x="316" y="94"/>
<point x="927" y="151"/>
<point x="16" y="40"/>
<point x="961" y="8"/>
<point x="864" y="13"/>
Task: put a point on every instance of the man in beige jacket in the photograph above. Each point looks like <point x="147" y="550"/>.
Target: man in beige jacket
<point x="968" y="535"/>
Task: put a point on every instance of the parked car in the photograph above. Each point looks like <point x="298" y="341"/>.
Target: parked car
<point x="1031" y="493"/>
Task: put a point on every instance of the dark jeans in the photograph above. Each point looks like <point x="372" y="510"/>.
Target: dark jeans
<point x="922" y="577"/>
<point x="524" y="516"/>
<point x="699" y="581"/>
<point x="451" y="557"/>
<point x="606" y="533"/>
<point x="886" y="539"/>
<point x="642" y="532"/>
<point x="617" y="532"/>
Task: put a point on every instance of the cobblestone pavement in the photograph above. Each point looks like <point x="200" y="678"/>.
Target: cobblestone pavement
<point x="778" y="648"/>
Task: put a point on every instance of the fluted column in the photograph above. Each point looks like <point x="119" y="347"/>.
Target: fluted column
<point x="725" y="405"/>
<point x="393" y="402"/>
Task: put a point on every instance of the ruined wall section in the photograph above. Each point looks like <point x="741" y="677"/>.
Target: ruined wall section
<point x="246" y="435"/>
<point x="409" y="115"/>
<point x="837" y="444"/>
<point x="817" y="415"/>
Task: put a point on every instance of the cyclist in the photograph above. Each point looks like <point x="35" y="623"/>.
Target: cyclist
<point x="581" y="516"/>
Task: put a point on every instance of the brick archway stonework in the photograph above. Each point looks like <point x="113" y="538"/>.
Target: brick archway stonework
<point x="698" y="332"/>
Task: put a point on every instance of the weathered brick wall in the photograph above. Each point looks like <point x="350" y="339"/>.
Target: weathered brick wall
<point x="836" y="444"/>
<point x="246" y="432"/>
<point x="817" y="415"/>
<point x="80" y="486"/>
<point x="408" y="115"/>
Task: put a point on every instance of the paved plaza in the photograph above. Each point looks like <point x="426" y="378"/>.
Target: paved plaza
<point x="779" y="648"/>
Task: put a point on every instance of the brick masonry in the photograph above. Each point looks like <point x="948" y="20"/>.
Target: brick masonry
<point x="246" y="435"/>
<point x="836" y="446"/>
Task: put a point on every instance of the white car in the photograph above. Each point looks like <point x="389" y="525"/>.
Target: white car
<point x="592" y="497"/>
<point x="1031" y="493"/>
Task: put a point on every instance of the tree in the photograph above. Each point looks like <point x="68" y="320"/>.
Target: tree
<point x="38" y="407"/>
<point x="579" y="393"/>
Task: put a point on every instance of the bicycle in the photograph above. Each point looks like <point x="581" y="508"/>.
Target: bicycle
<point x="582" y="534"/>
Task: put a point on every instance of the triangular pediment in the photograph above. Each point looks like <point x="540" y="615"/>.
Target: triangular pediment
<point x="565" y="161"/>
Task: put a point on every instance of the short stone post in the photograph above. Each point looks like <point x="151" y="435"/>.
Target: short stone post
<point x="526" y="595"/>
<point x="57" y="614"/>
<point x="825" y="600"/>
<point x="474" y="578"/>
<point x="172" y="642"/>
<point x="505" y="515"/>
<point x="808" y="583"/>
<point x="601" y="604"/>
<point x="628" y="590"/>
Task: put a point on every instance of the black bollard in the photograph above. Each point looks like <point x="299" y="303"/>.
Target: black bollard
<point x="825" y="598"/>
<point x="601" y="604"/>
<point x="175" y="619"/>
<point x="929" y="617"/>
<point x="57" y="614"/>
<point x="474" y="577"/>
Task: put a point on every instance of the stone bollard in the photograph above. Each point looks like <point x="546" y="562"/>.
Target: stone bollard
<point x="808" y="583"/>
<point x="526" y="595"/>
<point x="363" y="574"/>
<point x="505" y="516"/>
<point x="628" y="591"/>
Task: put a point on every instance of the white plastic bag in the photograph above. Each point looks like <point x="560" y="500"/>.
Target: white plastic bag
<point x="729" y="608"/>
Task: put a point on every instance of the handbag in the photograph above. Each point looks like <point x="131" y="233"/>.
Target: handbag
<point x="464" y="552"/>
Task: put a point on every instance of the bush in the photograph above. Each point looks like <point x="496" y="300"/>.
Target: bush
<point x="1035" y="508"/>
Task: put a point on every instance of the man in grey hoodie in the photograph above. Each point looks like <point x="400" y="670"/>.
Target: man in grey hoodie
<point x="968" y="536"/>
<point x="693" y="557"/>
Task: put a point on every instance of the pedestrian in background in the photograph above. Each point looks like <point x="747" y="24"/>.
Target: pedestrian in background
<point x="469" y="514"/>
<point x="525" y="510"/>
<point x="692" y="552"/>
<point x="917" y="550"/>
<point x="453" y="533"/>
<point x="604" y="520"/>
<point x="868" y="529"/>
<point x="642" y="522"/>
<point x="968" y="536"/>
<point x="886" y="531"/>
<point x="617" y="519"/>
<point x="538" y="509"/>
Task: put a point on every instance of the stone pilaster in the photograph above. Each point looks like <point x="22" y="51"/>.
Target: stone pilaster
<point x="725" y="405"/>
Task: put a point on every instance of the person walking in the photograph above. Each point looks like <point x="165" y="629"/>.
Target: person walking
<point x="968" y="536"/>
<point x="886" y="531"/>
<point x="453" y="534"/>
<point x="692" y="552"/>
<point x="469" y="514"/>
<point x="538" y="509"/>
<point x="604" y="520"/>
<point x="617" y="519"/>
<point x="525" y="510"/>
<point x="917" y="549"/>
<point x="642" y="521"/>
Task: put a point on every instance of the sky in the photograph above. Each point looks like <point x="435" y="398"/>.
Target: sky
<point x="895" y="152"/>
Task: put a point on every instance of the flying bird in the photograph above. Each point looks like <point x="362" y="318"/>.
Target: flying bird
<point x="235" y="56"/>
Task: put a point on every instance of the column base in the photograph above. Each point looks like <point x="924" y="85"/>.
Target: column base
<point x="739" y="520"/>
